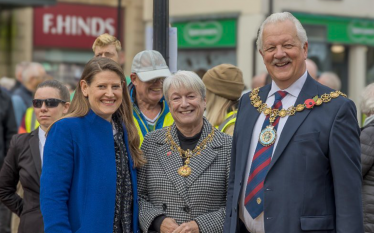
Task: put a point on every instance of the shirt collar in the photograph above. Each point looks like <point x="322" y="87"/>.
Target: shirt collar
<point x="294" y="89"/>
<point x="41" y="134"/>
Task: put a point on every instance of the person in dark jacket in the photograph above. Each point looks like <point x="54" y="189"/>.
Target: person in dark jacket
<point x="8" y="128"/>
<point x="25" y="157"/>
<point x="367" y="157"/>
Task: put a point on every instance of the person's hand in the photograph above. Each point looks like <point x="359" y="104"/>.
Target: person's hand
<point x="168" y="225"/>
<point x="187" y="227"/>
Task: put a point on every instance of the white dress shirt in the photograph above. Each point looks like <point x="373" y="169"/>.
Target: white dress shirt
<point x="41" y="143"/>
<point x="257" y="225"/>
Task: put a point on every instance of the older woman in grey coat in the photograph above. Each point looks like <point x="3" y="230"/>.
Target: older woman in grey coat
<point x="367" y="157"/>
<point x="182" y="188"/>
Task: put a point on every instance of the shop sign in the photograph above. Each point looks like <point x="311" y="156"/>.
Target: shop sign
<point x="72" y="25"/>
<point x="206" y="34"/>
<point x="342" y="29"/>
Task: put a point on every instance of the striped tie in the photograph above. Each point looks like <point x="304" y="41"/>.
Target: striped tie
<point x="254" y="192"/>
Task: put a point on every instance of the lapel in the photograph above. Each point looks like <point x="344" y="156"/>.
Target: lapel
<point x="34" y="147"/>
<point x="308" y="91"/>
<point x="171" y="163"/>
<point x="200" y="162"/>
<point x="247" y="125"/>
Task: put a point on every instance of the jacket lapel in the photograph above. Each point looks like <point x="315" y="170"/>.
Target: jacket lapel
<point x="199" y="163"/>
<point x="35" y="152"/>
<point x="308" y="91"/>
<point x="246" y="126"/>
<point x="171" y="162"/>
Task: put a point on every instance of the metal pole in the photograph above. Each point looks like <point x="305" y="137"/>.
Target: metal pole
<point x="161" y="27"/>
<point x="119" y="20"/>
<point x="271" y="3"/>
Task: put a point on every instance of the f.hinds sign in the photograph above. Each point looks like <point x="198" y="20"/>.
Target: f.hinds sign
<point x="72" y="26"/>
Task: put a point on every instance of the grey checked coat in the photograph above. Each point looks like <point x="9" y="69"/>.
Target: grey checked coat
<point x="200" y="197"/>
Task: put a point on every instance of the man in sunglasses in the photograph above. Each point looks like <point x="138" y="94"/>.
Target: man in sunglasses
<point x="150" y="110"/>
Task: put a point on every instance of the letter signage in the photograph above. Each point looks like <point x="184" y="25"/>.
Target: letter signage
<point x="72" y="25"/>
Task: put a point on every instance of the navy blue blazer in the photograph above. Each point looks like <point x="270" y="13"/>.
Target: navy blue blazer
<point x="78" y="181"/>
<point x="314" y="179"/>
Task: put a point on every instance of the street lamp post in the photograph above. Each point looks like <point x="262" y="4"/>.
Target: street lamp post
<point x="161" y="27"/>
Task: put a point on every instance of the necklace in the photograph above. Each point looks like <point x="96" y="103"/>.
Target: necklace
<point x="186" y="170"/>
<point x="269" y="134"/>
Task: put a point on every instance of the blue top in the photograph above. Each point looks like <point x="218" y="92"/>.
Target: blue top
<point x="78" y="182"/>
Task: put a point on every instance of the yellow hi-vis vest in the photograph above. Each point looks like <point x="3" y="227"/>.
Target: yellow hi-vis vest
<point x="230" y="119"/>
<point x="168" y="120"/>
<point x="31" y="122"/>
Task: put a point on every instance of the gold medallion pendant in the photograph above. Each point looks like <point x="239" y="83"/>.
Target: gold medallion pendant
<point x="268" y="136"/>
<point x="184" y="171"/>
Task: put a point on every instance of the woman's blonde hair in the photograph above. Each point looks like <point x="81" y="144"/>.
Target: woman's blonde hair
<point x="217" y="108"/>
<point x="80" y="106"/>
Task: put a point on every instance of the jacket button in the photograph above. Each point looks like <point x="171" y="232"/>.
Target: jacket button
<point x="164" y="206"/>
<point x="235" y="209"/>
<point x="186" y="209"/>
<point x="240" y="183"/>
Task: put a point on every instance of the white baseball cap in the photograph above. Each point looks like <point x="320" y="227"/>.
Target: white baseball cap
<point x="149" y="65"/>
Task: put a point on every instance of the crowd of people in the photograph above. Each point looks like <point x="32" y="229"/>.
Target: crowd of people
<point x="183" y="153"/>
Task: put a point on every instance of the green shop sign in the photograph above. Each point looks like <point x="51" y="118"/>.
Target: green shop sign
<point x="206" y="34"/>
<point x="342" y="29"/>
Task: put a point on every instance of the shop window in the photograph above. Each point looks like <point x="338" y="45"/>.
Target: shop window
<point x="370" y="65"/>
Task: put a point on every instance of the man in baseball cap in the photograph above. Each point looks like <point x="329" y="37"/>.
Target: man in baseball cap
<point x="150" y="110"/>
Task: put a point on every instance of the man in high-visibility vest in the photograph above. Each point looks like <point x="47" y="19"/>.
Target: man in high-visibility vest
<point x="150" y="110"/>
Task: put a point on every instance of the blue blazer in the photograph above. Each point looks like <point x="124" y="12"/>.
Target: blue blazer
<point x="78" y="181"/>
<point x="314" y="179"/>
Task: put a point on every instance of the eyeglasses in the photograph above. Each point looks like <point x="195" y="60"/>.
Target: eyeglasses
<point x="50" y="103"/>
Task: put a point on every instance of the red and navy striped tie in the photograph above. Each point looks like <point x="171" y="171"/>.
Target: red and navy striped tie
<point x="254" y="192"/>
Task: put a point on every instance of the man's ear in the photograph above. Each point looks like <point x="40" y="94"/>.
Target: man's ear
<point x="133" y="78"/>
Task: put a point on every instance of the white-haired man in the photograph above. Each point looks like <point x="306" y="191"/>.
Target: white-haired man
<point x="296" y="151"/>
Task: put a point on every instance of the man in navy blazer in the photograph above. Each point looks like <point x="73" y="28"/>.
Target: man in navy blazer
<point x="310" y="180"/>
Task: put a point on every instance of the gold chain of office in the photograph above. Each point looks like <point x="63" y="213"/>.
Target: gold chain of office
<point x="264" y="108"/>
<point x="186" y="170"/>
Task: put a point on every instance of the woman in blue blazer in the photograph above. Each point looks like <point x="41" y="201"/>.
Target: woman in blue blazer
<point x="88" y="182"/>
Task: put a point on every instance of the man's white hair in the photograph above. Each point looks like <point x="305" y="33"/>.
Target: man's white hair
<point x="281" y="17"/>
<point x="34" y="69"/>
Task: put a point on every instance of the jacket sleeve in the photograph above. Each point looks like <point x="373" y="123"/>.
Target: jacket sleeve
<point x="213" y="221"/>
<point x="345" y="161"/>
<point x="56" y="178"/>
<point x="367" y="149"/>
<point x="230" y="188"/>
<point x="10" y="125"/>
<point x="147" y="212"/>
<point x="9" y="177"/>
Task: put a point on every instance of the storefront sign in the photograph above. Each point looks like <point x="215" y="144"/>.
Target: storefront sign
<point x="342" y="29"/>
<point x="72" y="25"/>
<point x="207" y="34"/>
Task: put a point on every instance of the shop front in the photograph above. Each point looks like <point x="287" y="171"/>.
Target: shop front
<point x="203" y="44"/>
<point x="63" y="36"/>
<point x="343" y="45"/>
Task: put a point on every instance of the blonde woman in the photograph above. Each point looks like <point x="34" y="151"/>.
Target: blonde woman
<point x="224" y="84"/>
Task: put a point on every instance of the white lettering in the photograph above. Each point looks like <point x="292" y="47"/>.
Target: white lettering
<point x="47" y="22"/>
<point x="63" y="24"/>
<point x="74" y="25"/>
<point x="109" y="25"/>
<point x="84" y="25"/>
<point x="97" y="26"/>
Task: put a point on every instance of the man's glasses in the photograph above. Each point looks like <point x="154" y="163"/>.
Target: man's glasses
<point x="156" y="80"/>
<point x="50" y="103"/>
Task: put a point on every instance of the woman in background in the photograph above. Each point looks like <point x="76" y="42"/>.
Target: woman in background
<point x="224" y="84"/>
<point x="367" y="157"/>
<point x="24" y="160"/>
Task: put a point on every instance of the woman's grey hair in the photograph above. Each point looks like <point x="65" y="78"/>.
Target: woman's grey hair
<point x="184" y="79"/>
<point x="281" y="17"/>
<point x="62" y="89"/>
<point x="367" y="100"/>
